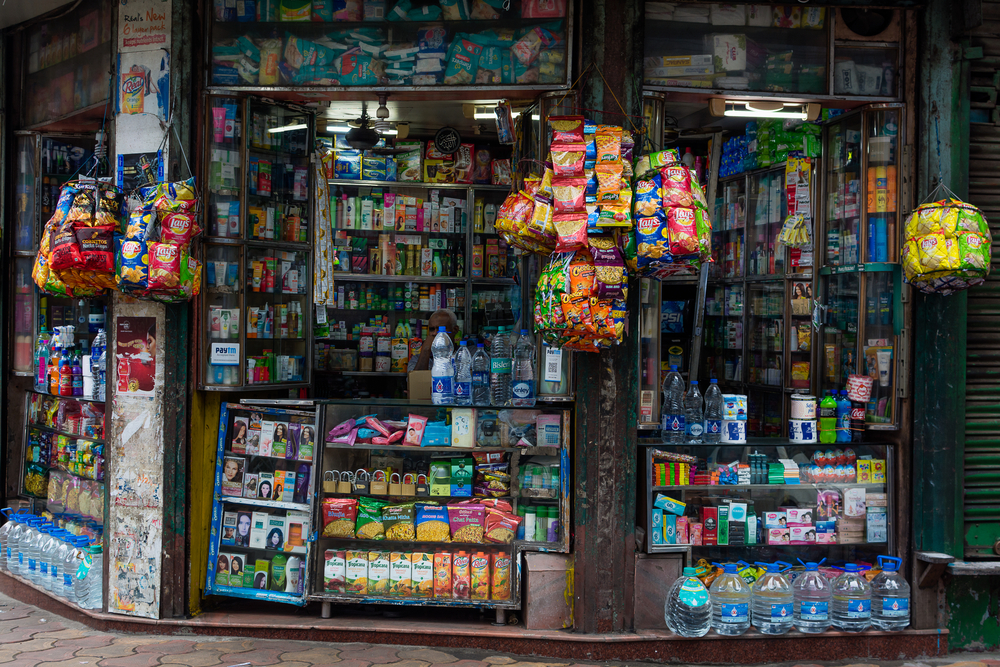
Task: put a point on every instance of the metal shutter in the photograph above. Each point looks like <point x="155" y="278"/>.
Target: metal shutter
<point x="982" y="443"/>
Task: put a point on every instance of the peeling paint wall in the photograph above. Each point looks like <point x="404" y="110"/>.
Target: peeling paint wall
<point x="135" y="480"/>
<point x="974" y="613"/>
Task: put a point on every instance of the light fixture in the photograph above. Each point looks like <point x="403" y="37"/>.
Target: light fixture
<point x="382" y="112"/>
<point x="288" y="128"/>
<point x="344" y="129"/>
<point x="764" y="109"/>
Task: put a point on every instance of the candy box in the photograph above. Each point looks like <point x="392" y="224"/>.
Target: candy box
<point x="801" y="534"/>
<point x="775" y="520"/>
<point x="777" y="536"/>
<point x="799" y="516"/>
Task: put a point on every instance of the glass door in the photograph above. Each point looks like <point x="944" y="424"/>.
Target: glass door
<point x="766" y="212"/>
<point x="844" y="193"/>
<point x="724" y="336"/>
<point x="839" y="335"/>
<point x="727" y="234"/>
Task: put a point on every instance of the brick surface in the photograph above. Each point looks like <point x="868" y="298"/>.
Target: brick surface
<point x="133" y="660"/>
<point x="428" y="655"/>
<point x="198" y="658"/>
<point x="381" y="655"/>
<point x="317" y="655"/>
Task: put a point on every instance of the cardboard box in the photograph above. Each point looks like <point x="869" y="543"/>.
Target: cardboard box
<point x="258" y="530"/>
<point x="669" y="504"/>
<point x="736" y="53"/>
<point x="419" y="385"/>
<point x="698" y="60"/>
<point x="799" y="516"/>
<point x="802" y="535"/>
<point x="670" y="72"/>
<point x="777" y="536"/>
<point x="775" y="520"/>
<point x="728" y="14"/>
<point x="710" y="525"/>
<point x="751" y="534"/>
<point x="876" y="500"/>
<point x="877" y="527"/>
<point x="854" y="502"/>
<point x="723" y="535"/>
<point x="669" y="529"/>
<point x="683" y="536"/>
<point x="864" y="471"/>
<point x="656" y="527"/>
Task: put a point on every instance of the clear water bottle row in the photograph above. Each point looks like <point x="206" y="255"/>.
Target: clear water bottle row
<point x="686" y="418"/>
<point x="773" y="605"/>
<point x="504" y="377"/>
<point x="52" y="558"/>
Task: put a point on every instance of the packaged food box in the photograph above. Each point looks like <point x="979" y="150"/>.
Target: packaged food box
<point x="422" y="574"/>
<point x="400" y="574"/>
<point x="378" y="572"/>
<point x="357" y="572"/>
<point x="334" y="571"/>
<point x="736" y="53"/>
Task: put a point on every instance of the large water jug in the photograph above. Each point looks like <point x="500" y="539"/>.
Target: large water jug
<point x="14" y="543"/>
<point x="12" y="520"/>
<point x="26" y="563"/>
<point x="96" y="598"/>
<point x="730" y="602"/>
<point x="70" y="564"/>
<point x="35" y="548"/>
<point x="773" y="600"/>
<point x="58" y="563"/>
<point x="813" y="594"/>
<point x="49" y="548"/>
<point x="42" y="574"/>
<point x="85" y="575"/>
<point x="852" y="601"/>
<point x="890" y="596"/>
<point x="688" y="609"/>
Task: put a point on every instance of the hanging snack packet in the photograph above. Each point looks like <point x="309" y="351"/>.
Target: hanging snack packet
<point x="97" y="248"/>
<point x="84" y="202"/>
<point x="64" y="252"/>
<point x="177" y="196"/>
<point x="178" y="228"/>
<point x="568" y="194"/>
<point x="132" y="265"/>
<point x="139" y="222"/>
<point x="576" y="310"/>
<point x="656" y="161"/>
<point x="676" y="181"/>
<point x="568" y="159"/>
<point x="164" y="267"/>
<point x="627" y="244"/>
<point x="648" y="197"/>
<point x="600" y="312"/>
<point x="609" y="144"/>
<point x="572" y="231"/>
<point x="567" y="129"/>
<point x="619" y="213"/>
<point x="609" y="267"/>
<point x="609" y="178"/>
<point x="541" y="219"/>
<point x="110" y="205"/>
<point x="652" y="237"/>
<point x="683" y="231"/>
<point x="704" y="227"/>
<point x="67" y="195"/>
<point x="581" y="273"/>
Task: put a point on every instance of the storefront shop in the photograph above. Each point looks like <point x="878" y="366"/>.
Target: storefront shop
<point x="361" y="167"/>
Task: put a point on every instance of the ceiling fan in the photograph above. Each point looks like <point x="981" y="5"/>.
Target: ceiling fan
<point x="365" y="133"/>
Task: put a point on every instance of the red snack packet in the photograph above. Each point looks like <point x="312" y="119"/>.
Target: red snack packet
<point x="676" y="186"/>
<point x="568" y="159"/>
<point x="683" y="231"/>
<point x="164" y="267"/>
<point x="65" y="248"/>
<point x="569" y="194"/>
<point x="97" y="247"/>
<point x="566" y="129"/>
<point x="178" y="228"/>
<point x="572" y="230"/>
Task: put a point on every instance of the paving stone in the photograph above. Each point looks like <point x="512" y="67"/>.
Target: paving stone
<point x="227" y="645"/>
<point x="317" y="655"/>
<point x="404" y="663"/>
<point x="168" y="647"/>
<point x="257" y="656"/>
<point x="15" y="611"/>
<point x="54" y="654"/>
<point x="34" y="644"/>
<point x="65" y="633"/>
<point x="967" y="663"/>
<point x="430" y="655"/>
<point x="198" y="658"/>
<point x="498" y="660"/>
<point x="18" y="635"/>
<point x="88" y="642"/>
<point x="72" y="662"/>
<point x="373" y="654"/>
<point x="468" y="663"/>
<point x="7" y="653"/>
<point x="133" y="660"/>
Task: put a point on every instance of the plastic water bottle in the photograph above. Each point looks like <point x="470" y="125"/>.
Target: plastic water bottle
<point x="672" y="416"/>
<point x="81" y="574"/>
<point x="58" y="561"/>
<point x="843" y="417"/>
<point x="773" y="600"/>
<point x="852" y="601"/>
<point x="480" y="376"/>
<point x="69" y="565"/>
<point x="813" y="594"/>
<point x="29" y="548"/>
<point x="713" y="412"/>
<point x="463" y="375"/>
<point x="500" y="369"/>
<point x="42" y="360"/>
<point x="35" y="552"/>
<point x="442" y="369"/>
<point x="730" y="602"/>
<point x="828" y="419"/>
<point x="523" y="387"/>
<point x="101" y="377"/>
<point x="11" y="521"/>
<point x="48" y="547"/>
<point x="688" y="609"/>
<point x="694" y="415"/>
<point x="96" y="598"/>
<point x="890" y="596"/>
<point x="14" y="543"/>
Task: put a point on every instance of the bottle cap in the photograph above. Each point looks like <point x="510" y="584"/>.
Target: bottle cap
<point x="731" y="568"/>
<point x="713" y="381"/>
<point x="673" y="367"/>
<point x="479" y="344"/>
<point x="890" y="563"/>
<point x="463" y="343"/>
<point x="690" y="572"/>
<point x="694" y="382"/>
<point x="440" y="329"/>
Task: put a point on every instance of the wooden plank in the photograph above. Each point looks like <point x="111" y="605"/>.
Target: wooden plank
<point x="974" y="568"/>
<point x="933" y="557"/>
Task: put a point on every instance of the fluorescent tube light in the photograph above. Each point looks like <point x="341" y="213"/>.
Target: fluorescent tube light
<point x="288" y="128"/>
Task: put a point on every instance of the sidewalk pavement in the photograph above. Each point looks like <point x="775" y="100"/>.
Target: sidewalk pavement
<point x="31" y="637"/>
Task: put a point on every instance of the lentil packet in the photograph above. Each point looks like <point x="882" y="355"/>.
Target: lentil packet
<point x="398" y="521"/>
<point x="432" y="524"/>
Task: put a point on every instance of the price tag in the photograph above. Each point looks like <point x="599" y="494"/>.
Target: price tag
<point x="321" y="314"/>
<point x="553" y="364"/>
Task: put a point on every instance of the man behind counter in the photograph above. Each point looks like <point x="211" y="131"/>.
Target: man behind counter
<point x="440" y="318"/>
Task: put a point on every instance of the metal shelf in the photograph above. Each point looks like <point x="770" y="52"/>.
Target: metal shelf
<point x="257" y="502"/>
<point x="740" y="487"/>
<point x="49" y="429"/>
<point x="374" y="277"/>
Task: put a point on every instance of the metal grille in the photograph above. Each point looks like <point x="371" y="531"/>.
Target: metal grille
<point x="982" y="440"/>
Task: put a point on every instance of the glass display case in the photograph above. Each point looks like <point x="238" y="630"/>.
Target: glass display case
<point x="724" y="335"/>
<point x="260" y="540"/>
<point x="768" y="209"/>
<point x="861" y="280"/>
<point x="770" y="499"/>
<point x="759" y="50"/>
<point x="404" y="517"/>
<point x="524" y="43"/>
<point x="258" y="246"/>
<point x="728" y="227"/>
<point x="67" y="63"/>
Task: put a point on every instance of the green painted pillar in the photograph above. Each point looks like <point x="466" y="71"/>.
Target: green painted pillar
<point x="939" y="327"/>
